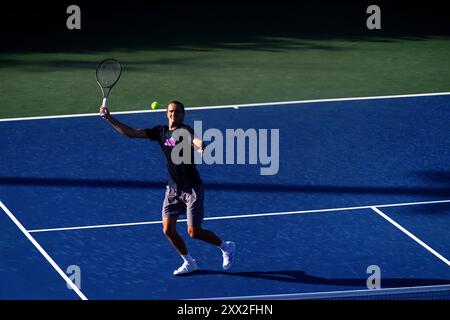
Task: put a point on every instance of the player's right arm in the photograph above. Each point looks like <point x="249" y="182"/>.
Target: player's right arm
<point x="123" y="129"/>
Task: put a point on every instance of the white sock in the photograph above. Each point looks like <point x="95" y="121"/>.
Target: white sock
<point x="187" y="258"/>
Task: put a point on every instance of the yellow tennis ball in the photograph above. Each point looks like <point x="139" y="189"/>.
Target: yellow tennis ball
<point x="155" y="105"/>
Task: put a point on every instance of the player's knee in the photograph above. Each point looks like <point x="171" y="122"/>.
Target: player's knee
<point x="168" y="232"/>
<point x="194" y="232"/>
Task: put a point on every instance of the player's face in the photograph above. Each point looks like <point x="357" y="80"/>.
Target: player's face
<point x="175" y="114"/>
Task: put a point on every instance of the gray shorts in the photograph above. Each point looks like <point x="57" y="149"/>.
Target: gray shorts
<point x="187" y="201"/>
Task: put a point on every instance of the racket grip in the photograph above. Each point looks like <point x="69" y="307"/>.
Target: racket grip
<point x="104" y="106"/>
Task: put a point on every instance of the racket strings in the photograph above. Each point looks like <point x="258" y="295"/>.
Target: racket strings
<point x="108" y="73"/>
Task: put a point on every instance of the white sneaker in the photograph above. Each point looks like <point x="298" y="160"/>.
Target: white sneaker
<point x="229" y="255"/>
<point x="186" y="267"/>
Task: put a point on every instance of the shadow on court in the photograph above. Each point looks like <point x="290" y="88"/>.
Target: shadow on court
<point x="293" y="276"/>
<point x="234" y="187"/>
<point x="435" y="176"/>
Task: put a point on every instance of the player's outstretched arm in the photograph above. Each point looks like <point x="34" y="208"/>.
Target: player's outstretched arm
<point x="123" y="129"/>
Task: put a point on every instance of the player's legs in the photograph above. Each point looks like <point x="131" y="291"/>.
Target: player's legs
<point x="193" y="199"/>
<point x="170" y="231"/>
<point x="172" y="208"/>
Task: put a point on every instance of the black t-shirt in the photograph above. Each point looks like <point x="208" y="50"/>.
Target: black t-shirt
<point x="180" y="175"/>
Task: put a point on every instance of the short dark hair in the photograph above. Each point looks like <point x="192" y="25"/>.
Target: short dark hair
<point x="178" y="104"/>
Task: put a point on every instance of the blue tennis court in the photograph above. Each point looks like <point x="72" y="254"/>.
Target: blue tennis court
<point x="361" y="182"/>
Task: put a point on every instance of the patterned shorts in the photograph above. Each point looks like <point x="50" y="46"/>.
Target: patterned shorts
<point x="187" y="201"/>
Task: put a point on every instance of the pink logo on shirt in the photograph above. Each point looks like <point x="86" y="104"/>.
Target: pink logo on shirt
<point x="170" y="142"/>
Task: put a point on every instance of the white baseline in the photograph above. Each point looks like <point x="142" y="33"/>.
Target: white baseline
<point x="237" y="106"/>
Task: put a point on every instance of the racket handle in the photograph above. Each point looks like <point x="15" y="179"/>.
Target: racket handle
<point x="104" y="106"/>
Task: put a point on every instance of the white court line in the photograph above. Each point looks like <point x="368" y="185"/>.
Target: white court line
<point x="100" y="226"/>
<point x="236" y="106"/>
<point x="412" y="236"/>
<point x="335" y="294"/>
<point x="43" y="252"/>
<point x="241" y="216"/>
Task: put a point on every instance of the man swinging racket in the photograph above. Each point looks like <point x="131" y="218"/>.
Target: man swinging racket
<point x="184" y="193"/>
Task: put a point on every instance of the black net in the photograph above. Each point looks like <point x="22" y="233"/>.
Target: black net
<point x="441" y="292"/>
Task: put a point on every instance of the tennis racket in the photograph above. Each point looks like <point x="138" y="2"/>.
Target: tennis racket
<point x="108" y="73"/>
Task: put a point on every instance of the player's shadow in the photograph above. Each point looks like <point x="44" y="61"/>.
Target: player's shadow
<point x="299" y="276"/>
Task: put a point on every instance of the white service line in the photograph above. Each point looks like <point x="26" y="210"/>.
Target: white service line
<point x="99" y="226"/>
<point x="237" y="106"/>
<point x="240" y="216"/>
<point x="412" y="236"/>
<point x="43" y="252"/>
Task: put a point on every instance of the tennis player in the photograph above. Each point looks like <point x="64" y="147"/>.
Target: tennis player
<point x="184" y="192"/>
